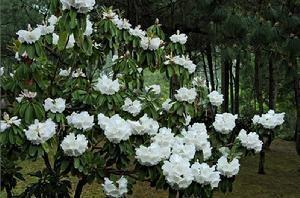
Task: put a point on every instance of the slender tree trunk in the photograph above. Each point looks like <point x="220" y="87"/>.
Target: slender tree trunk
<point x="237" y="86"/>
<point x="297" y="100"/>
<point x="8" y="191"/>
<point x="205" y="71"/>
<point x="231" y="87"/>
<point x="225" y="83"/>
<point x="210" y="66"/>
<point x="79" y="186"/>
<point x="271" y="84"/>
<point x="258" y="95"/>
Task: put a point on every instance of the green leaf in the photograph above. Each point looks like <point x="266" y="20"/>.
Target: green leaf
<point x="29" y="114"/>
<point x="73" y="21"/>
<point x="63" y="38"/>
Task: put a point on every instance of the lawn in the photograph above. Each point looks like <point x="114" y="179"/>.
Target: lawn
<point x="282" y="178"/>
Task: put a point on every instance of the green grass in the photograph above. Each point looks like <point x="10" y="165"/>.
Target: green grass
<point x="282" y="178"/>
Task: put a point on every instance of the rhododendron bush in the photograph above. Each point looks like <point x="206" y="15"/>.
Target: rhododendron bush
<point x="78" y="95"/>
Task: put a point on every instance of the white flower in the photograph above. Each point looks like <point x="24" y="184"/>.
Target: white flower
<point x="40" y="132"/>
<point x="187" y="119"/>
<point x="224" y="123"/>
<point x="46" y="29"/>
<point x="215" y="98"/>
<point x="137" y="32"/>
<point x="7" y="122"/>
<point x="57" y="105"/>
<point x="164" y="138"/>
<point x="133" y="107"/>
<point x="250" y="141"/>
<point x="179" y="38"/>
<point x="109" y="14"/>
<point x="82" y="6"/>
<point x="150" y="43"/>
<point x="81" y="120"/>
<point x="55" y="39"/>
<point x="154" y="88"/>
<point x="183" y="61"/>
<point x="74" y="145"/>
<point x="197" y="135"/>
<point x="26" y="94"/>
<point x="1" y="71"/>
<point x="152" y="155"/>
<point x="29" y="36"/>
<point x="178" y="172"/>
<point x="89" y="27"/>
<point x="186" y="95"/>
<point x="144" y="125"/>
<point x="107" y="86"/>
<point x="186" y="151"/>
<point x="111" y="190"/>
<point x="269" y="120"/>
<point x="65" y="72"/>
<point x="71" y="42"/>
<point x="206" y="151"/>
<point x="114" y="58"/>
<point x="78" y="73"/>
<point x="154" y="43"/>
<point x="52" y="20"/>
<point x="115" y="128"/>
<point x="203" y="174"/>
<point x="167" y="104"/>
<point x="228" y="169"/>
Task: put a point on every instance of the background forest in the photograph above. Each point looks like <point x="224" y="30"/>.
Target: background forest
<point x="246" y="49"/>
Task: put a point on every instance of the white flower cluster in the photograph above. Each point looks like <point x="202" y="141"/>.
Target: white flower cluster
<point x="137" y="31"/>
<point x="74" y="145"/>
<point x="215" y="98"/>
<point x="203" y="174"/>
<point x="159" y="149"/>
<point x="179" y="38"/>
<point x="183" y="61"/>
<point x="144" y="125"/>
<point x="40" y="132"/>
<point x="197" y="135"/>
<point x="82" y="120"/>
<point x="29" y="36"/>
<point x="82" y="6"/>
<point x="7" y="122"/>
<point x="224" y="123"/>
<point x="186" y="95"/>
<point x="228" y="169"/>
<point x="178" y="172"/>
<point x="115" y="128"/>
<point x="71" y="41"/>
<point x="150" y="43"/>
<point x="55" y="39"/>
<point x="52" y="20"/>
<point x="78" y="73"/>
<point x="269" y="120"/>
<point x="183" y="149"/>
<point x="111" y="190"/>
<point x="250" y="141"/>
<point x="154" y="88"/>
<point x="133" y="107"/>
<point x="57" y="105"/>
<point x="167" y="104"/>
<point x="1" y="71"/>
<point x="107" y="86"/>
<point x="26" y="94"/>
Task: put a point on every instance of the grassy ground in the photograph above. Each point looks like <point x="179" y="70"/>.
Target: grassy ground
<point x="282" y="178"/>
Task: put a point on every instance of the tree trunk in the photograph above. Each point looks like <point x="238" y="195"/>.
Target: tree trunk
<point x="225" y="83"/>
<point x="237" y="86"/>
<point x="79" y="187"/>
<point x="297" y="100"/>
<point x="231" y="87"/>
<point x="258" y="94"/>
<point x="271" y="84"/>
<point x="205" y="71"/>
<point x="210" y="66"/>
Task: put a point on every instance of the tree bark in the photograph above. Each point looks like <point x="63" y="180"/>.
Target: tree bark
<point x="271" y="84"/>
<point x="210" y="66"/>
<point x="205" y="71"/>
<point x="79" y="186"/>
<point x="225" y="83"/>
<point x="237" y="86"/>
<point x="297" y="100"/>
<point x="231" y="87"/>
<point x="258" y="94"/>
